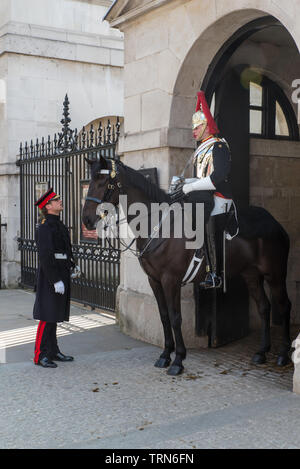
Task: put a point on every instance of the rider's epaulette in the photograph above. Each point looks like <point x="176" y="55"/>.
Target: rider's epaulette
<point x="221" y="142"/>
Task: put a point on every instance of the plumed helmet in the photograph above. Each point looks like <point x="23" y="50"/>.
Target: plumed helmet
<point x="203" y="115"/>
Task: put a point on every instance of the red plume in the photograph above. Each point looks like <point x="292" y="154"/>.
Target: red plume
<point x="203" y="106"/>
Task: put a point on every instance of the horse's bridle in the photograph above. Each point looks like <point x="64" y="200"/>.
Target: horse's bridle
<point x="113" y="172"/>
<point x="112" y="184"/>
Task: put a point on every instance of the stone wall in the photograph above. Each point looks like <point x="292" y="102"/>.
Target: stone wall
<point x="274" y="185"/>
<point x="167" y="53"/>
<point x="296" y="359"/>
<point x="48" y="49"/>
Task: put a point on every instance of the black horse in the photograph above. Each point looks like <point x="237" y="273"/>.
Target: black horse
<point x="259" y="256"/>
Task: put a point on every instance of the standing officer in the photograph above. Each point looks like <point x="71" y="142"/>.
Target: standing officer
<point x="52" y="303"/>
<point x="211" y="186"/>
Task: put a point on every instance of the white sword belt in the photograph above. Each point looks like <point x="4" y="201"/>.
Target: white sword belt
<point x="59" y="255"/>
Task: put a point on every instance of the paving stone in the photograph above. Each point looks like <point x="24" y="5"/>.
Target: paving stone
<point x="112" y="396"/>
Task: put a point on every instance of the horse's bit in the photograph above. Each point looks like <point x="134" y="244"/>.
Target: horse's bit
<point x="110" y="186"/>
<point x="108" y="193"/>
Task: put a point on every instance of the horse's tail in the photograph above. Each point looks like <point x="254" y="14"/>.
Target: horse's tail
<point x="285" y="244"/>
<point x="256" y="222"/>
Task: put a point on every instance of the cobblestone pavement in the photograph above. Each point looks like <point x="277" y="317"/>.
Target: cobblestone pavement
<point x="112" y="396"/>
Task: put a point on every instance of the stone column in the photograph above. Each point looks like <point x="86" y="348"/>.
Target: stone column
<point x="296" y="360"/>
<point x="168" y="49"/>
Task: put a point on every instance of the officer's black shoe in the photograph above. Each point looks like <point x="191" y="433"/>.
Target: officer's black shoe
<point x="46" y="363"/>
<point x="212" y="280"/>
<point x="60" y="357"/>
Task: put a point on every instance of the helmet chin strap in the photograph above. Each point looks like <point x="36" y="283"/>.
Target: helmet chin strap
<point x="200" y="138"/>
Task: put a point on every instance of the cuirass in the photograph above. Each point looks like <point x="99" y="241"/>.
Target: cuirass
<point x="203" y="159"/>
<point x="204" y="162"/>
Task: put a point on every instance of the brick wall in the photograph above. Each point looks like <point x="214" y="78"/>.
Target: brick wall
<point x="275" y="185"/>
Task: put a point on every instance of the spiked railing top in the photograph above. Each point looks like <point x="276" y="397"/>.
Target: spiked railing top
<point x="65" y="137"/>
<point x="69" y="140"/>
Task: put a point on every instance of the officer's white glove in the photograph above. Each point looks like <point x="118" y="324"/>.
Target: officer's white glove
<point x="59" y="287"/>
<point x="203" y="184"/>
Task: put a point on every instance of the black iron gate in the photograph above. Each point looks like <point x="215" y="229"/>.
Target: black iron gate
<point x="1" y="225"/>
<point x="59" y="163"/>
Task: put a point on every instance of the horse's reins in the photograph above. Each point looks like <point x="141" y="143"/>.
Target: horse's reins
<point x="109" y="191"/>
<point x="113" y="172"/>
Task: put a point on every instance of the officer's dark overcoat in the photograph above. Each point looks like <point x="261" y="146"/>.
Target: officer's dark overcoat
<point x="52" y="237"/>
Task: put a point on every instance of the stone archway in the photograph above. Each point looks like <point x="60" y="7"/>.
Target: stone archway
<point x="201" y="60"/>
<point x="162" y="77"/>
<point x="169" y="46"/>
<point x="268" y="47"/>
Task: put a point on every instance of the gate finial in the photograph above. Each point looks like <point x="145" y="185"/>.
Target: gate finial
<point x="66" y="119"/>
<point x="66" y="141"/>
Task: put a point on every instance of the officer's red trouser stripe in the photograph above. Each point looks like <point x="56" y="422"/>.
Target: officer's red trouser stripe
<point x="38" y="340"/>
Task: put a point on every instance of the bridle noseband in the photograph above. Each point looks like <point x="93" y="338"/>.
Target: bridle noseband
<point x="112" y="184"/>
<point x="113" y="172"/>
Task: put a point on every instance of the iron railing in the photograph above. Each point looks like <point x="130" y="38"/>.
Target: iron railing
<point x="4" y="225"/>
<point x="59" y="163"/>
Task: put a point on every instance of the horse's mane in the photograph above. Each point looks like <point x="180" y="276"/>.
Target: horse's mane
<point x="132" y="177"/>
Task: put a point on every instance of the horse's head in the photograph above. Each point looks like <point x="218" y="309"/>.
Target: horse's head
<point x="104" y="187"/>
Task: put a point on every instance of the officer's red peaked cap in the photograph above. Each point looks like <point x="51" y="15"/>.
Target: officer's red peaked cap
<point x="45" y="198"/>
<point x="202" y="107"/>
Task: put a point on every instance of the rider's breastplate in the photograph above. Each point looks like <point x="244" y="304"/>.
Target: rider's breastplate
<point x="204" y="162"/>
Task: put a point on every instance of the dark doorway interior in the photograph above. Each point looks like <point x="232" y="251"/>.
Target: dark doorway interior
<point x="225" y="317"/>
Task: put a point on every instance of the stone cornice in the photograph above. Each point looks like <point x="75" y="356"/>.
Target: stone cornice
<point x="105" y="3"/>
<point x="115" y="17"/>
<point x="27" y="39"/>
<point x="102" y="3"/>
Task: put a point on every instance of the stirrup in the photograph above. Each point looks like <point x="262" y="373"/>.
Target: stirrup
<point x="212" y="280"/>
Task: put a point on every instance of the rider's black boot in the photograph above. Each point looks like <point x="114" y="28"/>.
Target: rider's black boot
<point x="212" y="280"/>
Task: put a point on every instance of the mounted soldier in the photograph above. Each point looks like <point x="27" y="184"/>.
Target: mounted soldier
<point x="258" y="250"/>
<point x="211" y="184"/>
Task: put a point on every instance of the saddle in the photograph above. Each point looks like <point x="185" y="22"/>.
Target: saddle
<point x="213" y="252"/>
<point x="216" y="231"/>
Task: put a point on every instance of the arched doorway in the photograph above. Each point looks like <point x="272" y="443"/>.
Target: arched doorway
<point x="251" y="90"/>
<point x="249" y="84"/>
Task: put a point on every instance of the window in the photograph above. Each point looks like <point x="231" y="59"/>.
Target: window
<point x="281" y="126"/>
<point x="271" y="114"/>
<point x="256" y="108"/>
